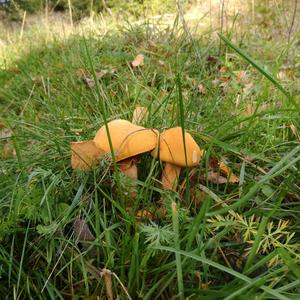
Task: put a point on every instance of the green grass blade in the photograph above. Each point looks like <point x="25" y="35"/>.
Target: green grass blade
<point x="260" y="68"/>
<point x="255" y="246"/>
<point x="177" y="255"/>
<point x="290" y="262"/>
<point x="224" y="269"/>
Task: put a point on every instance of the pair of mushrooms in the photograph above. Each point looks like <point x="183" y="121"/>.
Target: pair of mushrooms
<point x="129" y="140"/>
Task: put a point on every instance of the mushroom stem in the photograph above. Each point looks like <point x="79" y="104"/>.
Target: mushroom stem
<point x="170" y="176"/>
<point x="128" y="167"/>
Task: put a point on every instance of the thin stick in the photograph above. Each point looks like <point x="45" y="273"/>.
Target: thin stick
<point x="23" y="24"/>
<point x="293" y="20"/>
<point x="70" y="12"/>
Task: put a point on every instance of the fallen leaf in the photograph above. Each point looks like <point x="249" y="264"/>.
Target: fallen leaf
<point x="83" y="234"/>
<point x="89" y="79"/>
<point x="140" y="114"/>
<point x="223" y="69"/>
<point x="250" y="109"/>
<point x="84" y="154"/>
<point x="249" y="158"/>
<point x="89" y="82"/>
<point x="81" y="72"/>
<point x="8" y="151"/>
<point x="82" y="230"/>
<point x="161" y="63"/>
<point x="143" y="214"/>
<point x="152" y="44"/>
<point x="14" y="70"/>
<point x="242" y="77"/>
<point x="5" y="133"/>
<point x="215" y="82"/>
<point x="59" y="66"/>
<point x="237" y="100"/>
<point x="202" y="89"/>
<point x="212" y="60"/>
<point x="228" y="172"/>
<point x="37" y="79"/>
<point x="294" y="130"/>
<point x="247" y="88"/>
<point x="214" y="177"/>
<point x="138" y="61"/>
<point x="286" y="75"/>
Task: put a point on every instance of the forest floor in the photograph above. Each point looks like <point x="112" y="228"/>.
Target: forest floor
<point x="230" y="76"/>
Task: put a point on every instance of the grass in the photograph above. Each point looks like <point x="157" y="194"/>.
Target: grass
<point x="217" y="241"/>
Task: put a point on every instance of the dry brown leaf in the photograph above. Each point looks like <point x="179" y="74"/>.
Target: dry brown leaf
<point x="138" y="61"/>
<point x="81" y="72"/>
<point x="214" y="177"/>
<point x="84" y="154"/>
<point x="295" y="131"/>
<point x="83" y="234"/>
<point x="8" y="151"/>
<point x="59" y="66"/>
<point x="82" y="230"/>
<point x="5" y="133"/>
<point x="242" y="77"/>
<point x="89" y="82"/>
<point x="14" y="70"/>
<point x="89" y="79"/>
<point x="202" y="89"/>
<point x="215" y="83"/>
<point x="286" y="75"/>
<point x="249" y="110"/>
<point x="228" y="172"/>
<point x="247" y="88"/>
<point x="223" y="69"/>
<point x="140" y="114"/>
<point x="144" y="215"/>
<point x="152" y="44"/>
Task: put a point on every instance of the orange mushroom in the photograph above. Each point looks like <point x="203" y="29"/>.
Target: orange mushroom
<point x="171" y="150"/>
<point x="128" y="140"/>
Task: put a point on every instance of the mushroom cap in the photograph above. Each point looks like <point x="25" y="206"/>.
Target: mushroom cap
<point x="171" y="148"/>
<point x="127" y="139"/>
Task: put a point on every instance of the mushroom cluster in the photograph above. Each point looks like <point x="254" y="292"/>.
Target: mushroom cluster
<point x="175" y="147"/>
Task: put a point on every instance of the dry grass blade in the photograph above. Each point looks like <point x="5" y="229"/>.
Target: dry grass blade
<point x="99" y="273"/>
<point x="140" y="114"/>
<point x="108" y="284"/>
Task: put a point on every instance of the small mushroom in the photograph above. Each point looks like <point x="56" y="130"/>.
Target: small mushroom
<point x="171" y="150"/>
<point x="128" y="141"/>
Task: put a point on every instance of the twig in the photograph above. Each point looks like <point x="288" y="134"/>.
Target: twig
<point x="23" y="24"/>
<point x="221" y="23"/>
<point x="293" y="20"/>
